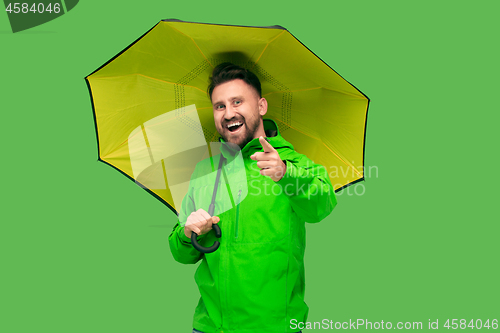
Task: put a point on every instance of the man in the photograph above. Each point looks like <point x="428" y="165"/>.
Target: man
<point x="255" y="281"/>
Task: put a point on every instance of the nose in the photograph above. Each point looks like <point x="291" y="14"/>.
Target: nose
<point x="229" y="113"/>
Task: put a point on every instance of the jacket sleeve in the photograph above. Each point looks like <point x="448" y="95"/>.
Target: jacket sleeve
<point x="309" y="188"/>
<point x="180" y="245"/>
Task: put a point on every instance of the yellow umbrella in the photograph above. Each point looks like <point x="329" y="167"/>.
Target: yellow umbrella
<point x="161" y="80"/>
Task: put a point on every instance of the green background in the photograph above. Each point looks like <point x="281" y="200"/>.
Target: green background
<point x="83" y="249"/>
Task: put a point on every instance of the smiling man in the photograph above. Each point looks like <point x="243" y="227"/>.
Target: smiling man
<point x="255" y="281"/>
<point x="238" y="106"/>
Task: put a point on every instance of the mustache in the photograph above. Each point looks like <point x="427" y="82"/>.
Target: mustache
<point x="226" y="122"/>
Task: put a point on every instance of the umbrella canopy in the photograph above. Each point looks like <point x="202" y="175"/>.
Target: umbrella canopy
<point x="166" y="71"/>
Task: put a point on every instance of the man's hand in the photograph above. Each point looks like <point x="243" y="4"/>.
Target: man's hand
<point x="269" y="161"/>
<point x="199" y="222"/>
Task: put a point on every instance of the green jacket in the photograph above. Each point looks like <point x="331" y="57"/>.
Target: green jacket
<point x="255" y="281"/>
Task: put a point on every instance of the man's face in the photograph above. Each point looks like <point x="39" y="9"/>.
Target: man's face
<point x="237" y="112"/>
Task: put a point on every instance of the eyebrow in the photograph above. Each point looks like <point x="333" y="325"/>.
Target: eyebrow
<point x="232" y="98"/>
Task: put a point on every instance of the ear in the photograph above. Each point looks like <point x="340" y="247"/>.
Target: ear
<point x="262" y="106"/>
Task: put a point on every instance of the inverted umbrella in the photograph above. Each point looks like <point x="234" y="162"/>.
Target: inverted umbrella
<point x="166" y="70"/>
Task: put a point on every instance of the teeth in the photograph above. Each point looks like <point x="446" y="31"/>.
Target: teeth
<point x="234" y="124"/>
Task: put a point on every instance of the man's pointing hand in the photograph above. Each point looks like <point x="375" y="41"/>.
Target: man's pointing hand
<point x="269" y="161"/>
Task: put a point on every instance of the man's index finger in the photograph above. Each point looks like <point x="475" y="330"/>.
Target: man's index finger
<point x="266" y="145"/>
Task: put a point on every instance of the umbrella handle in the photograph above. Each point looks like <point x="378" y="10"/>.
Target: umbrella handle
<point x="210" y="249"/>
<point x="211" y="209"/>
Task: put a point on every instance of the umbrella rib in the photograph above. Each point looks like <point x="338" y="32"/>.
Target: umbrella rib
<point x="342" y="160"/>
<point x="152" y="78"/>
<point x="346" y="93"/>
<point x="143" y="130"/>
<point x="356" y="171"/>
<point x="290" y="91"/>
<point x="265" y="48"/>
<point x="194" y="45"/>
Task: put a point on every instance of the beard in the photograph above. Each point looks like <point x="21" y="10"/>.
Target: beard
<point x="246" y="131"/>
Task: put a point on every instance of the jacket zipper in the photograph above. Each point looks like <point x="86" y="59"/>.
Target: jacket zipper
<point x="237" y="215"/>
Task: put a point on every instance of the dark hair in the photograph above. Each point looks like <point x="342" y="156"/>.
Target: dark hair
<point x="227" y="72"/>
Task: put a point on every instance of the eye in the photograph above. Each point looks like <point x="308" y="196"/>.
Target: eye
<point x="237" y="102"/>
<point x="219" y="106"/>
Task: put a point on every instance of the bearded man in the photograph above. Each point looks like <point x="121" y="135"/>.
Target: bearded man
<point x="254" y="282"/>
